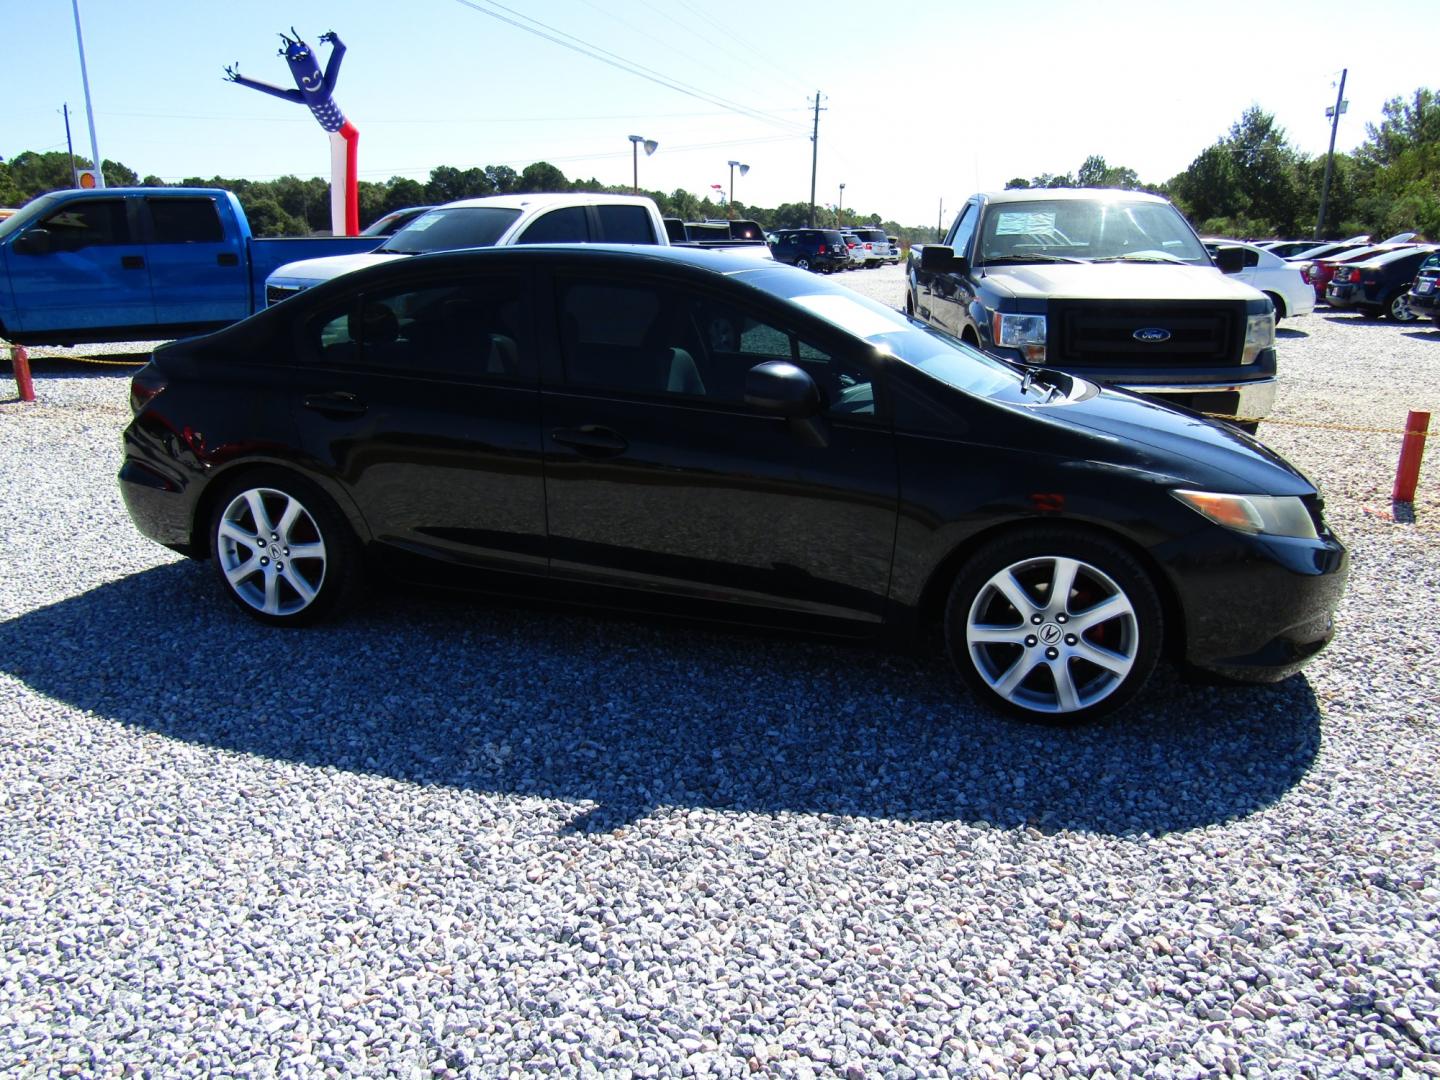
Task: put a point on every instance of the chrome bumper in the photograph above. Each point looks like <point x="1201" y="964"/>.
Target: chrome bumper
<point x="1254" y="399"/>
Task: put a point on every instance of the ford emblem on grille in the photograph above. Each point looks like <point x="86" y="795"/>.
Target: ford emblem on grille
<point x="1151" y="335"/>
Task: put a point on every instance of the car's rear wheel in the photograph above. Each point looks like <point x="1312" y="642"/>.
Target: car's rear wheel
<point x="282" y="550"/>
<point x="1054" y="625"/>
<point x="1279" y="305"/>
<point x="1398" y="307"/>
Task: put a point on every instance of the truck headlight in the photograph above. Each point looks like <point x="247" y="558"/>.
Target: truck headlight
<point x="1023" y="332"/>
<point x="1267" y="515"/>
<point x="1259" y="335"/>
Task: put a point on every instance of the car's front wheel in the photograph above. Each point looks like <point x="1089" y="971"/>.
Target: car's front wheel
<point x="802" y="263"/>
<point x="282" y="550"/>
<point x="1054" y="625"/>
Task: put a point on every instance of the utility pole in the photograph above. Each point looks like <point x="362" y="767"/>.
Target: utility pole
<point x="69" y="146"/>
<point x="940" y="221"/>
<point x="1340" y="104"/>
<point x="814" y="157"/>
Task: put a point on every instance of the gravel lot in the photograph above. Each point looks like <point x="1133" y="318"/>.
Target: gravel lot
<point x="468" y="838"/>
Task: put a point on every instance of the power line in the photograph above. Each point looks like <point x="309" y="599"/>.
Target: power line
<point x="555" y="36"/>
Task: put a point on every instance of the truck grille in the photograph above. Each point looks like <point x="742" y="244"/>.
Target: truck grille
<point x="1102" y="333"/>
<point x="275" y="293"/>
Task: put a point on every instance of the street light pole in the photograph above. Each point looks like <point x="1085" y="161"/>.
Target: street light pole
<point x="89" y="110"/>
<point x="840" y="207"/>
<point x="637" y="141"/>
<point x="730" y="206"/>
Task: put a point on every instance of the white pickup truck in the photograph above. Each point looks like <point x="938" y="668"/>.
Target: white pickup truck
<point x="498" y="221"/>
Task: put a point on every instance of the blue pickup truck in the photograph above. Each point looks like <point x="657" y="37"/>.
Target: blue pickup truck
<point x="138" y="264"/>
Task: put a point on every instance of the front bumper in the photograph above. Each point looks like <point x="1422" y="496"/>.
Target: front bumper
<point x="1260" y="614"/>
<point x="1251" y="400"/>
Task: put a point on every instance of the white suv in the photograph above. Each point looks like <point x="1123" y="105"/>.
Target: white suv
<point x="877" y="244"/>
<point x="492" y="221"/>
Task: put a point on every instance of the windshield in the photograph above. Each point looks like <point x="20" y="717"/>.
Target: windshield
<point x="1432" y="263"/>
<point x="1084" y="229"/>
<point x="448" y="229"/>
<point x="935" y="353"/>
<point x="32" y="210"/>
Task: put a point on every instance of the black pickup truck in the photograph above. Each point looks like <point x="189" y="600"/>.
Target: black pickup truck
<point x="1113" y="286"/>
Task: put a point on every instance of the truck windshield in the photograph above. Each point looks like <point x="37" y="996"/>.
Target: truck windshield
<point x="451" y="228"/>
<point x="1098" y="229"/>
<point x="32" y="210"/>
<point x="937" y="354"/>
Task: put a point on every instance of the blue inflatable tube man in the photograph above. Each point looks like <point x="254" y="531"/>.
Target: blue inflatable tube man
<point x="316" y="90"/>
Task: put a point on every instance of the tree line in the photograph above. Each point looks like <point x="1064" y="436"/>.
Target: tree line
<point x="1250" y="182"/>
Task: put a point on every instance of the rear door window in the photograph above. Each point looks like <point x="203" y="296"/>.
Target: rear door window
<point x="185" y="221"/>
<point x="473" y="329"/>
<point x="625" y="225"/>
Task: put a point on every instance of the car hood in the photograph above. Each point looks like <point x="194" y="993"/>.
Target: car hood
<point x="1119" y="426"/>
<point x="1116" y="281"/>
<point x="314" y="271"/>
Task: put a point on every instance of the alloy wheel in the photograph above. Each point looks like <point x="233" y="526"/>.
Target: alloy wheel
<point x="271" y="551"/>
<point x="1052" y="634"/>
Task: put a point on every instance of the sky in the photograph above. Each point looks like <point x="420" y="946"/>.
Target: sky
<point x="923" y="101"/>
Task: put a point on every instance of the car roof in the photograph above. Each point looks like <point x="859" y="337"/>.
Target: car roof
<point x="543" y="199"/>
<point x="1070" y="195"/>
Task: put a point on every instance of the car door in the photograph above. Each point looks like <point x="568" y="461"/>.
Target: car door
<point x="198" y="273"/>
<point x="951" y="295"/>
<point x="87" y="273"/>
<point x="423" y="401"/>
<point x="659" y="477"/>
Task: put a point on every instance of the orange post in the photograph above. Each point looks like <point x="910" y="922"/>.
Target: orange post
<point x="20" y="364"/>
<point x="1407" y="472"/>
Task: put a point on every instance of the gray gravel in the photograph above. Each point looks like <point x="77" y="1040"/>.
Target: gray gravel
<point x="451" y="837"/>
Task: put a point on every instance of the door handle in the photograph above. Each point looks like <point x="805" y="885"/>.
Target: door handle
<point x="227" y="258"/>
<point x="591" y="440"/>
<point x="337" y="403"/>
<point x="132" y="262"/>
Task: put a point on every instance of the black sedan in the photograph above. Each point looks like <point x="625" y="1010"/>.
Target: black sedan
<point x="692" y="431"/>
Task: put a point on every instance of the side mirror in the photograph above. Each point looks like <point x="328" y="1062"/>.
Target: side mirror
<point x="33" y="242"/>
<point x="939" y="259"/>
<point x="783" y="389"/>
<point x="1230" y="260"/>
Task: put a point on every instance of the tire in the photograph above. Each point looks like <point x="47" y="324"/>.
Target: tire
<point x="1279" y="306"/>
<point x="1019" y="651"/>
<point x="1398" y="308"/>
<point x="802" y="263"/>
<point x="318" y="565"/>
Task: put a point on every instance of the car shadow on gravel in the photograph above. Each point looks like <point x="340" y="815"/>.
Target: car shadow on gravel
<point x="620" y="716"/>
<point x="1289" y="332"/>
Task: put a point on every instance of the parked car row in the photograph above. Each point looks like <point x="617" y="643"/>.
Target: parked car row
<point x="1359" y="275"/>
<point x="827" y="250"/>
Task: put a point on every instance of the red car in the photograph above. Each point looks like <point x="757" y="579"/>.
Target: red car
<point x="1322" y="271"/>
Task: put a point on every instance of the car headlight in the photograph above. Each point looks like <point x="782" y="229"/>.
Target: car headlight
<point x="1259" y="335"/>
<point x="1023" y="332"/>
<point x="1260" y="515"/>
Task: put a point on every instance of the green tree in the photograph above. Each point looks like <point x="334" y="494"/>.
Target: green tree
<point x="1094" y="172"/>
<point x="1016" y="182"/>
<point x="503" y="179"/>
<point x="542" y="176"/>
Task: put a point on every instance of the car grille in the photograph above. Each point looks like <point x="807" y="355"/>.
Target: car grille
<point x="1101" y="333"/>
<point x="275" y="293"/>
